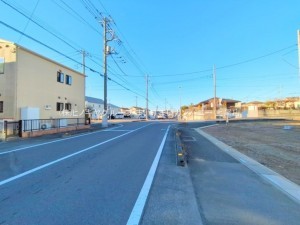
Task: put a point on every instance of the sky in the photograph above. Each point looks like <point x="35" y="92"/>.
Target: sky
<point x="251" y="43"/>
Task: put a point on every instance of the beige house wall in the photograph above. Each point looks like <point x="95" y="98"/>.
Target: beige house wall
<point x="8" y="80"/>
<point x="30" y="80"/>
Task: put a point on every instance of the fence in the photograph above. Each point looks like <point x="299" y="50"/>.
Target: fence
<point x="47" y="124"/>
<point x="38" y="127"/>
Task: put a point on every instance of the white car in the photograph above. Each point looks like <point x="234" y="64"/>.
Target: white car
<point x="119" y="116"/>
<point x="142" y="116"/>
<point x="160" y="116"/>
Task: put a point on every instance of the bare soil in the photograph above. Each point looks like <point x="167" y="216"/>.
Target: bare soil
<point x="275" y="144"/>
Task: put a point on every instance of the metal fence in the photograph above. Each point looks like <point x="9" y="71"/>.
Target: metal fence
<point x="9" y="128"/>
<point x="47" y="124"/>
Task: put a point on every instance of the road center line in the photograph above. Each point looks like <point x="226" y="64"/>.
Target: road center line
<point x="139" y="205"/>
<point x="64" y="158"/>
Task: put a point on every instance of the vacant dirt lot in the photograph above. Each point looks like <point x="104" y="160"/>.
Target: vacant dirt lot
<point x="275" y="144"/>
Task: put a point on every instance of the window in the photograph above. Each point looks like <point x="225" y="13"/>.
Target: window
<point x="1" y="106"/>
<point x="2" y="65"/>
<point x="60" y="77"/>
<point x="59" y="106"/>
<point x="68" y="106"/>
<point x="68" y="79"/>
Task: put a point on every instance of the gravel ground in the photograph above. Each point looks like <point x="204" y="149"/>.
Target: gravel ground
<point x="272" y="143"/>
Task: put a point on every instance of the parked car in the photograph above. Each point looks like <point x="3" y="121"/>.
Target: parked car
<point x="142" y="116"/>
<point x="119" y="116"/>
<point x="161" y="116"/>
<point x="127" y="115"/>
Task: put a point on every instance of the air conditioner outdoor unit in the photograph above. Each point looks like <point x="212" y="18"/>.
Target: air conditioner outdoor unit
<point x="45" y="126"/>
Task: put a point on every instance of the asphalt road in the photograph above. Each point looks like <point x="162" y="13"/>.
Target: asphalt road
<point x="92" y="178"/>
<point x="128" y="175"/>
<point x="229" y="193"/>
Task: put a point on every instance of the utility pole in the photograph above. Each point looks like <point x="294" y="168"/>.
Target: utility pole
<point x="83" y="67"/>
<point x="136" y="104"/>
<point x="104" y="116"/>
<point x="83" y="52"/>
<point x="215" y="92"/>
<point x="147" y="81"/>
<point x="180" y="111"/>
<point x="298" y="32"/>
<point x="106" y="51"/>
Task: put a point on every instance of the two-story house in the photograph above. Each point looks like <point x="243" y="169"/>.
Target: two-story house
<point x="29" y="80"/>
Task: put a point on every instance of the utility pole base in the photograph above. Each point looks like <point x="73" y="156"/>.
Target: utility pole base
<point x="104" y="121"/>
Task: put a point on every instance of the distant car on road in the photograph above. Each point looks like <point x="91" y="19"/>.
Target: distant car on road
<point x="119" y="116"/>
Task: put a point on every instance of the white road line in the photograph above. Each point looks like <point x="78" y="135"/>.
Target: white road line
<point x="50" y="142"/>
<point x="64" y="158"/>
<point x="116" y="130"/>
<point x="138" y="208"/>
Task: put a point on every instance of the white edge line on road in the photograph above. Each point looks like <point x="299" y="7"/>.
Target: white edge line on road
<point x="139" y="205"/>
<point x="116" y="130"/>
<point x="63" y="158"/>
<point x="59" y="140"/>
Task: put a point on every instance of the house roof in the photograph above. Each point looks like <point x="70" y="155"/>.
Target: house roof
<point x="255" y="103"/>
<point x="40" y="56"/>
<point x="137" y="108"/>
<point x="94" y="100"/>
<point x="223" y="100"/>
<point x="98" y="101"/>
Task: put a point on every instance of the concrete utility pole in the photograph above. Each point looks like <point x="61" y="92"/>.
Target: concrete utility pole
<point x="106" y="51"/>
<point x="147" y="82"/>
<point x="298" y="32"/>
<point x="83" y="67"/>
<point x="180" y="111"/>
<point x="104" y="116"/>
<point x="215" y="92"/>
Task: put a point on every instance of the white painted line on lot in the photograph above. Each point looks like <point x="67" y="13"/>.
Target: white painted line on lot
<point x="212" y="125"/>
<point x="139" y="205"/>
<point x="58" y="140"/>
<point x="64" y="158"/>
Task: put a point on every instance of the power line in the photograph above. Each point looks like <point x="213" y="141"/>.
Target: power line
<point x="77" y="16"/>
<point x="60" y="53"/>
<point x="29" y="19"/>
<point x="39" y="25"/>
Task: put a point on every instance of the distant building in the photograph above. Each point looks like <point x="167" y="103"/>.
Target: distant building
<point x="95" y="107"/>
<point x="220" y="103"/>
<point x="137" y="110"/>
<point x="31" y="82"/>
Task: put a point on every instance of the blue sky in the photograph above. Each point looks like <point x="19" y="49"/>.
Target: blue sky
<point x="253" y="45"/>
